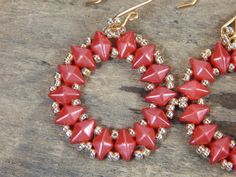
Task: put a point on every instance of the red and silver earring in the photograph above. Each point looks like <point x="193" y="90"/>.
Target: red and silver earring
<point x="82" y="130"/>
<point x="211" y="143"/>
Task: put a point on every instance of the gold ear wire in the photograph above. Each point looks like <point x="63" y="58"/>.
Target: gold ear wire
<point x="91" y="2"/>
<point x="187" y="4"/>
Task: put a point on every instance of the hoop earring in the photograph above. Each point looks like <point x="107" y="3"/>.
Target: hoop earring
<point x="204" y="133"/>
<point x="99" y="141"/>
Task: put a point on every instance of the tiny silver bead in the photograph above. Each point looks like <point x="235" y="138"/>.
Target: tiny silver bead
<point x="162" y="131"/>
<point x="218" y="135"/>
<point x="131" y="132"/>
<point x="200" y="149"/>
<point x="130" y="58"/>
<point x="157" y="53"/>
<point x="216" y="72"/>
<point x="114" y="53"/>
<point x="83" y="116"/>
<point x="170" y="107"/>
<point x="92" y="154"/>
<point x="83" y="45"/>
<point x="138" y="155"/>
<point x="149" y="87"/>
<point x="80" y="146"/>
<point x="201" y="101"/>
<point x="66" y="128"/>
<point x="169" y="78"/>
<point x="76" y="102"/>
<point x="114" y="134"/>
<point x="57" y="83"/>
<point x="183" y="104"/>
<point x="97" y="130"/>
<point x="88" y="146"/>
<point x="142" y="69"/>
<point x="174" y="101"/>
<point x="86" y="72"/>
<point x="52" y="88"/>
<point x="206" y="54"/>
<point x="113" y="156"/>
<point x="170" y="85"/>
<point x="76" y="87"/>
<point x="151" y="105"/>
<point x="55" y="105"/>
<point x="207" y="121"/>
<point x="159" y="137"/>
<point x="189" y="132"/>
<point x="183" y="99"/>
<point x="189" y="71"/>
<point x="88" y="41"/>
<point x="170" y="114"/>
<point x="142" y="122"/>
<point x="206" y="152"/>
<point x="68" y="58"/>
<point x="232" y="144"/>
<point x="97" y="58"/>
<point x="68" y="133"/>
<point x="144" y="42"/>
<point x="57" y="76"/>
<point x="228" y="166"/>
<point x="231" y="68"/>
<point x="186" y="77"/>
<point x="56" y="110"/>
<point x="159" y="59"/>
<point x="139" y="38"/>
<point x="190" y="126"/>
<point x="146" y="152"/>
<point x="205" y="83"/>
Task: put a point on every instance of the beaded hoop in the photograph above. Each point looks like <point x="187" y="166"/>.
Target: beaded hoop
<point x="204" y="133"/>
<point x="82" y="130"/>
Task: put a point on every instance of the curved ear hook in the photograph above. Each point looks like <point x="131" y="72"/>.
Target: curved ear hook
<point x="91" y="2"/>
<point x="187" y="4"/>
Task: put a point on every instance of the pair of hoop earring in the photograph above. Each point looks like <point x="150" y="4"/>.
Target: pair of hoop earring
<point x="141" y="139"/>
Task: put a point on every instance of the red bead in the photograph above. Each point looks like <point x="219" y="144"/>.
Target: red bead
<point x="219" y="149"/>
<point x="156" y="118"/>
<point x="102" y="143"/>
<point x="145" y="136"/>
<point x="125" y="144"/>
<point x="194" y="113"/>
<point x="101" y="46"/>
<point x="202" y="70"/>
<point x="126" y="45"/>
<point x="203" y="134"/>
<point x="155" y="74"/>
<point x="220" y="58"/>
<point x="71" y="74"/>
<point x="232" y="157"/>
<point x="64" y="94"/>
<point x="69" y="115"/>
<point x="144" y="56"/>
<point x="193" y="90"/>
<point x="233" y="58"/>
<point x="83" y="57"/>
<point x="160" y="96"/>
<point x="83" y="131"/>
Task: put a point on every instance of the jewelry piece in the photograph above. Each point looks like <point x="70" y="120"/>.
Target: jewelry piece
<point x="204" y="133"/>
<point x="82" y="130"/>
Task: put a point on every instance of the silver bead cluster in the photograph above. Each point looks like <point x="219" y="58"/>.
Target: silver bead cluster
<point x="206" y="83"/>
<point x="113" y="156"/>
<point x="55" y="107"/>
<point x="84" y="146"/>
<point x="203" y="151"/>
<point x="86" y="72"/>
<point x="76" y="87"/>
<point x="231" y="68"/>
<point x="201" y="101"/>
<point x="183" y="102"/>
<point x="138" y="155"/>
<point x="88" y="41"/>
<point x="161" y="134"/>
<point x="226" y="165"/>
<point x="97" y="130"/>
<point x="170" y="114"/>
<point x="68" y="58"/>
<point x="207" y="121"/>
<point x="97" y="58"/>
<point x="206" y="54"/>
<point x="114" y="134"/>
<point x="190" y="128"/>
<point x="140" y="40"/>
<point x="129" y="59"/>
<point x="114" y="33"/>
<point x="57" y="81"/>
<point x="114" y="53"/>
<point x="76" y="102"/>
<point x="149" y="87"/>
<point x="226" y="41"/>
<point x="218" y="135"/>
<point x="170" y="110"/>
<point x="187" y="75"/>
<point x="142" y="69"/>
<point x="158" y="58"/>
<point x="216" y="71"/>
<point x="84" y="116"/>
<point x="142" y="122"/>
<point x="170" y="81"/>
<point x="67" y="130"/>
<point x="131" y="132"/>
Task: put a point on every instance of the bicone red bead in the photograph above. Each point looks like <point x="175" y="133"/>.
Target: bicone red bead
<point x="125" y="144"/>
<point x="155" y="73"/>
<point x="202" y="70"/>
<point x="156" y="118"/>
<point x="71" y="74"/>
<point x="102" y="143"/>
<point x="145" y="136"/>
<point x="64" y="94"/>
<point x="220" y="58"/>
<point x="219" y="149"/>
<point x="144" y="56"/>
<point x="69" y="115"/>
<point x="160" y="96"/>
<point x="194" y="113"/>
<point x="126" y="45"/>
<point x="232" y="157"/>
<point x="101" y="45"/>
<point x="233" y="58"/>
<point x="203" y="134"/>
<point x="83" y="131"/>
<point x="83" y="57"/>
<point x="194" y="90"/>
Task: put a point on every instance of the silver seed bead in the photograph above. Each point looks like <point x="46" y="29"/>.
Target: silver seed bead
<point x="88" y="146"/>
<point x="206" y="152"/>
<point x="170" y="85"/>
<point x="186" y="77"/>
<point x="86" y="72"/>
<point x="142" y="69"/>
<point x="88" y="41"/>
<point x="83" y="116"/>
<point x="159" y="59"/>
<point x="190" y="126"/>
<point x="200" y="149"/>
<point x="149" y="87"/>
<point x="232" y="144"/>
<point x="189" y="71"/>
<point x="162" y="131"/>
<point x="183" y="104"/>
<point x="113" y="156"/>
<point x="207" y="121"/>
<point x="80" y="146"/>
<point x="76" y="87"/>
<point x="57" y="83"/>
<point x="201" y="101"/>
<point x="139" y="38"/>
<point x="68" y="58"/>
<point x="225" y="40"/>
<point x="170" y="114"/>
<point x="228" y="30"/>
<point x="174" y="101"/>
<point x="138" y="155"/>
<point x="55" y="105"/>
<point x="57" y="76"/>
<point x="206" y="54"/>
<point x="142" y="122"/>
<point x="169" y="78"/>
<point x="52" y="88"/>
<point x="131" y="132"/>
<point x="151" y="105"/>
<point x="218" y="135"/>
<point x="159" y="137"/>
<point x="189" y="132"/>
<point x="92" y="154"/>
<point x="228" y="166"/>
<point x="114" y="53"/>
<point x="144" y="42"/>
<point x="146" y="152"/>
<point x="130" y="58"/>
<point x="183" y="99"/>
<point x="216" y="72"/>
<point x="65" y="128"/>
<point x="68" y="133"/>
<point x="231" y="68"/>
<point x="97" y="130"/>
<point x="114" y="134"/>
<point x="170" y="107"/>
<point x="56" y="110"/>
<point x="205" y="83"/>
<point x="76" y="102"/>
<point x="83" y="45"/>
<point x="97" y="58"/>
<point x="157" y="53"/>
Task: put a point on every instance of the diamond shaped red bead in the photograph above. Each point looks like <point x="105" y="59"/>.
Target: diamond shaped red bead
<point x="71" y="74"/>
<point x="125" y="144"/>
<point x="194" y="113"/>
<point x="232" y="157"/>
<point x="69" y="115"/>
<point x="101" y="46"/>
<point x="160" y="96"/>
<point x="155" y="73"/>
<point x="219" y="149"/>
<point x="64" y="94"/>
<point x="233" y="58"/>
<point x="83" y="131"/>
<point x="102" y="143"/>
<point x="156" y="118"/>
<point x="144" y="56"/>
<point x="203" y="134"/>
<point x="193" y="90"/>
<point x="220" y="58"/>
<point x="202" y="70"/>
<point x="145" y="136"/>
<point x="126" y="45"/>
<point x="83" y="57"/>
